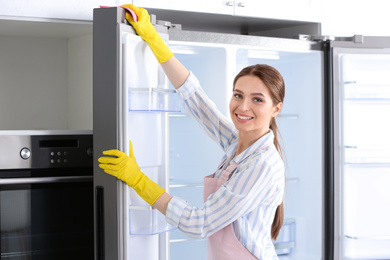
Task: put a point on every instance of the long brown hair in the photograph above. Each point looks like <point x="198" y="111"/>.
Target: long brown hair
<point x="275" y="84"/>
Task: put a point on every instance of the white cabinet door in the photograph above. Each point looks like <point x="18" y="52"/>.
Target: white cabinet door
<point x="300" y="10"/>
<point x="72" y="9"/>
<point x="204" y="6"/>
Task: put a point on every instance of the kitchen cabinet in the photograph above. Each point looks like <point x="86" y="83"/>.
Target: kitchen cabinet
<point x="46" y="74"/>
<point x="204" y="6"/>
<point x="299" y="10"/>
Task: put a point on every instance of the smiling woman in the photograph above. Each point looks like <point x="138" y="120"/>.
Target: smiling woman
<point x="258" y="93"/>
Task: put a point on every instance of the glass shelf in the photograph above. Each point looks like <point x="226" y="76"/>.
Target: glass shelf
<point x="185" y="185"/>
<point x="176" y="236"/>
<point x="367" y="247"/>
<point x="288" y="116"/>
<point x="364" y="91"/>
<point x="146" y="220"/>
<point x="153" y="100"/>
<point x="367" y="155"/>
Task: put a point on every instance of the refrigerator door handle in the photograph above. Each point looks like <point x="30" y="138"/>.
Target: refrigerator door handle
<point x="99" y="223"/>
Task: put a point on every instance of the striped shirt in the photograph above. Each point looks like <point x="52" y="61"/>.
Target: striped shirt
<point x="249" y="198"/>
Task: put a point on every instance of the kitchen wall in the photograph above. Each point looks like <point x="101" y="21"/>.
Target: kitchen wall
<point x="80" y="85"/>
<point x="33" y="83"/>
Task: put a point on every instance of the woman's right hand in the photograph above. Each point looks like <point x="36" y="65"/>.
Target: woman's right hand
<point x="175" y="71"/>
<point x="143" y="26"/>
<point x="148" y="33"/>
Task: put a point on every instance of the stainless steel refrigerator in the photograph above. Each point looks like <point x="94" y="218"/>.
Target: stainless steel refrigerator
<point x="333" y="126"/>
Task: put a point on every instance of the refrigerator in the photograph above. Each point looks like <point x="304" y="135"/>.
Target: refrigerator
<point x="333" y="128"/>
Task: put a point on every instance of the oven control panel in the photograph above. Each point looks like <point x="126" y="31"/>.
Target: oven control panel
<point x="59" y="150"/>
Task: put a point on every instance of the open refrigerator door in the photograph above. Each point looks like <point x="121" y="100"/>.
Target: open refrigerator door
<point x="362" y="153"/>
<point x="145" y="104"/>
<point x="131" y="103"/>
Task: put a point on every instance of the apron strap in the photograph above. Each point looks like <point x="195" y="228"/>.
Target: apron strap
<point x="225" y="175"/>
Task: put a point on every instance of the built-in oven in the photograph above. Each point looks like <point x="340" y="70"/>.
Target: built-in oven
<point x="46" y="195"/>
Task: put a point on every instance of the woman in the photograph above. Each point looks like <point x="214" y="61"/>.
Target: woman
<point x="243" y="199"/>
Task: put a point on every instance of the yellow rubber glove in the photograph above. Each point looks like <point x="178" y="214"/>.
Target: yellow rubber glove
<point x="146" y="30"/>
<point x="126" y="169"/>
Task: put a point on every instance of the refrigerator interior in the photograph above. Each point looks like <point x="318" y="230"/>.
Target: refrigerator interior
<point x="364" y="154"/>
<point x="300" y="125"/>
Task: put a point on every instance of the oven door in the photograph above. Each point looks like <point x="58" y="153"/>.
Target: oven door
<point x="46" y="217"/>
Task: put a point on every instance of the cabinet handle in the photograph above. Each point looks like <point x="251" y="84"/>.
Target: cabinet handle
<point x="229" y="3"/>
<point x="241" y="4"/>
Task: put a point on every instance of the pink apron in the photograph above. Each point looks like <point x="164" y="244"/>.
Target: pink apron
<point x="224" y="245"/>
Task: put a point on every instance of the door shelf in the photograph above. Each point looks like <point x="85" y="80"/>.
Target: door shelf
<point x="146" y="220"/>
<point x="153" y="100"/>
<point x="358" y="91"/>
<point x="286" y="239"/>
<point x="367" y="155"/>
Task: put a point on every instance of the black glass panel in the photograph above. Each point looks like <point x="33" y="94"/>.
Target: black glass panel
<point x="46" y="221"/>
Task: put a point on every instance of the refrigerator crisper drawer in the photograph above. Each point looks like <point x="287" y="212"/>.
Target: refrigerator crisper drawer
<point x="145" y="220"/>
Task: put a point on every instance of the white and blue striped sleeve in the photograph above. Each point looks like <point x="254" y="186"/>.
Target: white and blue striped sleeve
<point x="255" y="184"/>
<point x="205" y="112"/>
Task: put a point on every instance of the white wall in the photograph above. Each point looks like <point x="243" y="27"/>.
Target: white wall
<point x="349" y="17"/>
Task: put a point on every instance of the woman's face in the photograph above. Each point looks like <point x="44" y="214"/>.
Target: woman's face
<point x="251" y="106"/>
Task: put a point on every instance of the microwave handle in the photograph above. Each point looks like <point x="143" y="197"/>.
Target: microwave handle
<point x="37" y="180"/>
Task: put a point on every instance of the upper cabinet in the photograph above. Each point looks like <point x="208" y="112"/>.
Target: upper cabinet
<point x="204" y="6"/>
<point x="299" y="10"/>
